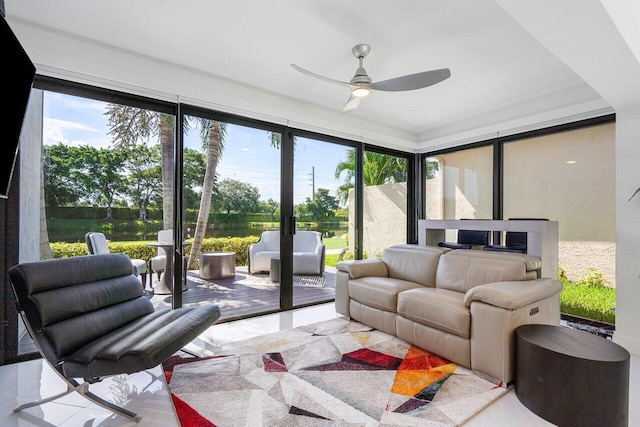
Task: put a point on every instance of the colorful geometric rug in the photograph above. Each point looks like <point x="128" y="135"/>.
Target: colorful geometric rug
<point x="332" y="373"/>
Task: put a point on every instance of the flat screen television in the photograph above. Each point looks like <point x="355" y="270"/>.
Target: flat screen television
<point x="19" y="73"/>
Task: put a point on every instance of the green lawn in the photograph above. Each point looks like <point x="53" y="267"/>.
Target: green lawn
<point x="590" y="302"/>
<point x="334" y="242"/>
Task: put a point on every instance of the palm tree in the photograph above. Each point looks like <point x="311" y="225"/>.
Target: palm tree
<point x="128" y="125"/>
<point x="213" y="135"/>
<point x="378" y="169"/>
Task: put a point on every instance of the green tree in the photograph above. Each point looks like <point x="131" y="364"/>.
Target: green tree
<point x="131" y="125"/>
<point x="102" y="175"/>
<point x="144" y="177"/>
<point x="272" y="207"/>
<point x="194" y="167"/>
<point x="236" y="196"/>
<point x="60" y="163"/>
<point x="432" y="167"/>
<point x="378" y="169"/>
<point x="322" y="205"/>
<point x="212" y="134"/>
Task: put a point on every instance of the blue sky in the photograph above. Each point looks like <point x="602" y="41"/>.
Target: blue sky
<point x="248" y="155"/>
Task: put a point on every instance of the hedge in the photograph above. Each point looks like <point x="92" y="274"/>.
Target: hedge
<point x="141" y="250"/>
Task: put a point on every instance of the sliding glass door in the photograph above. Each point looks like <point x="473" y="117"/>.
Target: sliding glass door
<point x="323" y="206"/>
<point x="232" y="215"/>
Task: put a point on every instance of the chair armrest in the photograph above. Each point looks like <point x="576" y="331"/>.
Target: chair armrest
<point x="256" y="247"/>
<point x="511" y="295"/>
<point x="364" y="268"/>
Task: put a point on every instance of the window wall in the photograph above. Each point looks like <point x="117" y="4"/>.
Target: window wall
<point x="132" y="167"/>
<point x="385" y="202"/>
<point x="565" y="173"/>
<point x="459" y="185"/>
<point x="568" y="177"/>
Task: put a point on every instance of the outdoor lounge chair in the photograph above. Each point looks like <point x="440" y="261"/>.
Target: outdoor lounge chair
<point x="89" y="320"/>
<point x="97" y="244"/>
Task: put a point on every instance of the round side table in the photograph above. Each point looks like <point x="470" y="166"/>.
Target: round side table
<point x="217" y="265"/>
<point x="571" y="377"/>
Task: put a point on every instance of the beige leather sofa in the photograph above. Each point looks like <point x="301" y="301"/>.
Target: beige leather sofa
<point x="463" y="305"/>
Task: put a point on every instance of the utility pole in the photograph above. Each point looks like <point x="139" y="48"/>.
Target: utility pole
<point x="313" y="182"/>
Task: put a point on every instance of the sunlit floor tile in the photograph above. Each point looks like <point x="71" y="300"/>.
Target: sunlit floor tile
<point x="147" y="394"/>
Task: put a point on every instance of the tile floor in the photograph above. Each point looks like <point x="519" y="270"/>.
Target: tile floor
<point x="146" y="392"/>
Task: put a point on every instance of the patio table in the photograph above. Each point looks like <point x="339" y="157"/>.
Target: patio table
<point x="165" y="284"/>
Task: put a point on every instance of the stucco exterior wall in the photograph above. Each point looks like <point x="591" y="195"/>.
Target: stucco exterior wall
<point x="568" y="177"/>
<point x="385" y="217"/>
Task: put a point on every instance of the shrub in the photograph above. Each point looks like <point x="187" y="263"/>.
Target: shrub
<point x="593" y="278"/>
<point x="141" y="250"/>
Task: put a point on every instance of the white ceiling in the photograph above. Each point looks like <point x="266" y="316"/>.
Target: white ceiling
<point x="499" y="72"/>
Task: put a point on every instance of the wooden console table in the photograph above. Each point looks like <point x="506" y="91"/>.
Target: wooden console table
<point x="542" y="236"/>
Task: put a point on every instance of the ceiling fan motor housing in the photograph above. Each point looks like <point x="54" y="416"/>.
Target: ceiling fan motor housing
<point x="361" y="77"/>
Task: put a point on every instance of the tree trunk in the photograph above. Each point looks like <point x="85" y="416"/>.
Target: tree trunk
<point x="166" y="142"/>
<point x="213" y="155"/>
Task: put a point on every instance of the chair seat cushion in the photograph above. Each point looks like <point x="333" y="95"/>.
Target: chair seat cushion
<point x="379" y="292"/>
<point x="141" y="344"/>
<point x="305" y="263"/>
<point x="441" y="309"/>
<point x="139" y="266"/>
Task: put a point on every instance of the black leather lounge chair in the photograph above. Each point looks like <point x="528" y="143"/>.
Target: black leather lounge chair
<point x="89" y="319"/>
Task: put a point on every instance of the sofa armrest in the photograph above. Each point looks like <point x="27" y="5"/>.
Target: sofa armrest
<point x="364" y="268"/>
<point x="511" y="295"/>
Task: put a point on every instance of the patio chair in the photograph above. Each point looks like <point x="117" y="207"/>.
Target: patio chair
<point x="97" y="244"/>
<point x="89" y="320"/>
<point x="308" y="252"/>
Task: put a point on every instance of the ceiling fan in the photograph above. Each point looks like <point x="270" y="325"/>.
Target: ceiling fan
<point x="361" y="83"/>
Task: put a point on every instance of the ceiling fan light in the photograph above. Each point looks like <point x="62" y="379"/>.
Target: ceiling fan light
<point x="360" y="92"/>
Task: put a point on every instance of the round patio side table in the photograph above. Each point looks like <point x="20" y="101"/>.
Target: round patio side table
<point x="571" y="377"/>
<point x="165" y="285"/>
<point x="217" y="265"/>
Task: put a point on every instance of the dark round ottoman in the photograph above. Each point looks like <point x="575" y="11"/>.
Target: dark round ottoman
<point x="571" y="377"/>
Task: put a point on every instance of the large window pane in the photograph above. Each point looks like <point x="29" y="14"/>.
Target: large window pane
<point x="232" y="196"/>
<point x="323" y="184"/>
<point x="108" y="169"/>
<point x="385" y="202"/>
<point x="568" y="177"/>
<point x="459" y="185"/>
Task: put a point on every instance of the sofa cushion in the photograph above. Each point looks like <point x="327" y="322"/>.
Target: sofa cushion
<point x="442" y="309"/>
<point x="379" y="292"/>
<point x="413" y="265"/>
<point x="463" y="271"/>
<point x="531" y="262"/>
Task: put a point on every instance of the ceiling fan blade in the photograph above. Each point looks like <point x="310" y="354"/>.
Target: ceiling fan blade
<point x="412" y="81"/>
<point x="351" y="104"/>
<point x="318" y="76"/>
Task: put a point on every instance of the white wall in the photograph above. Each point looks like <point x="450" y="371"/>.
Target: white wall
<point x="30" y="178"/>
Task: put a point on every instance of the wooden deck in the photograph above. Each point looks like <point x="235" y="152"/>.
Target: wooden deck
<point x="246" y="295"/>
